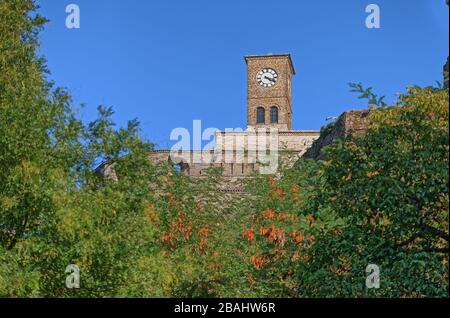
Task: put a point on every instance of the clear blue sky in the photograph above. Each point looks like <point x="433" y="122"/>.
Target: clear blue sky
<point x="170" y="62"/>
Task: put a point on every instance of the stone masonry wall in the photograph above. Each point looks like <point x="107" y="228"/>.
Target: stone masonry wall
<point x="349" y="123"/>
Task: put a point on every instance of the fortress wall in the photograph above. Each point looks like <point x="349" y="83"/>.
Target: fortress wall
<point x="239" y="153"/>
<point x="349" y="123"/>
<point x="284" y="140"/>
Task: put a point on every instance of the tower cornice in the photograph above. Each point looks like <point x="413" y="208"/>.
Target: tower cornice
<point x="265" y="56"/>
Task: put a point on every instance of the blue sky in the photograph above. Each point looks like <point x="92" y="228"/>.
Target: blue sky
<point x="170" y="62"/>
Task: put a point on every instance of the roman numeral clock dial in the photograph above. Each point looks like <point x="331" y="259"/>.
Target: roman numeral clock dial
<point x="267" y="77"/>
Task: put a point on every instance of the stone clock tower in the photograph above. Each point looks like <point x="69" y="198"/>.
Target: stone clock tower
<point x="269" y="91"/>
<point x="241" y="154"/>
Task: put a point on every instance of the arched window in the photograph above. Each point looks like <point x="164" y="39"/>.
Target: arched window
<point x="274" y="115"/>
<point x="260" y="115"/>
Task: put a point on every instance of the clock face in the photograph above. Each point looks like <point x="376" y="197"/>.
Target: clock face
<point x="267" y="77"/>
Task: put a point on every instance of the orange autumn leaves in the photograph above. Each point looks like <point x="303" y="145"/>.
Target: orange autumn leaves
<point x="178" y="229"/>
<point x="258" y="261"/>
<point x="249" y="235"/>
<point x="273" y="232"/>
<point x="276" y="192"/>
<point x="269" y="214"/>
<point x="276" y="236"/>
<point x="182" y="229"/>
<point x="280" y="233"/>
<point x="203" y="234"/>
<point x="286" y="192"/>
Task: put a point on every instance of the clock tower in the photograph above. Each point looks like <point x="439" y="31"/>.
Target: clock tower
<point x="269" y="91"/>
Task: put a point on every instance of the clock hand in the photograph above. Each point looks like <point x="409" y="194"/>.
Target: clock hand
<point x="270" y="79"/>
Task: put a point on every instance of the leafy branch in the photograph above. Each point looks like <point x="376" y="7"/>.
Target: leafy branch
<point x="367" y="93"/>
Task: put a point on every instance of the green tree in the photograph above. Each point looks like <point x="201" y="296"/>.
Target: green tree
<point x="87" y="194"/>
<point x="378" y="199"/>
<point x="55" y="209"/>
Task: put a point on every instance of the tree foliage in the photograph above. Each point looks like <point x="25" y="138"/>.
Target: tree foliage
<point x="149" y="231"/>
<point x="378" y="199"/>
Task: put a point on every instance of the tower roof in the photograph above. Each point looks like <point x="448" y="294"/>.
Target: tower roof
<point x="247" y="57"/>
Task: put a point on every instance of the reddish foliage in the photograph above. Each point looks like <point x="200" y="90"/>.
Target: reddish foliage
<point x="249" y="235"/>
<point x="273" y="182"/>
<point x="269" y="214"/>
<point x="293" y="233"/>
<point x="166" y="238"/>
<point x="263" y="231"/>
<point x="204" y="231"/>
<point x="281" y="193"/>
<point x="181" y="226"/>
<point x="299" y="238"/>
<point x="203" y="243"/>
<point x="310" y="218"/>
<point x="276" y="236"/>
<point x="258" y="261"/>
